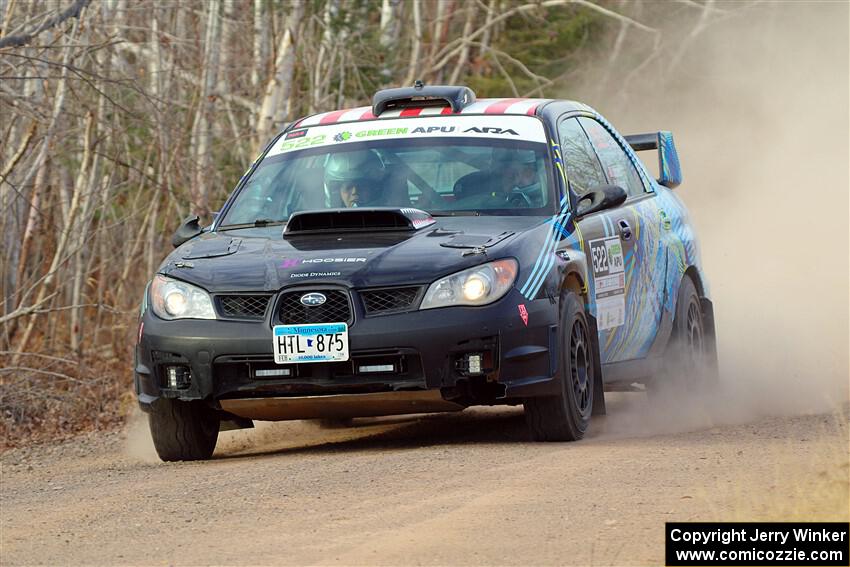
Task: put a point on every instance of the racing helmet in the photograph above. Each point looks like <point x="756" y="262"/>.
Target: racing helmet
<point x="364" y="168"/>
<point x="354" y="166"/>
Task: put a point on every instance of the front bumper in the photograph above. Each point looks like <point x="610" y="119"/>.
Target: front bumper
<point x="224" y="355"/>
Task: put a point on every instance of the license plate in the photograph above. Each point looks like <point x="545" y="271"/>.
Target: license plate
<point x="327" y="342"/>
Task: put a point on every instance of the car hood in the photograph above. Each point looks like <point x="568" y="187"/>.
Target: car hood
<point x="260" y="259"/>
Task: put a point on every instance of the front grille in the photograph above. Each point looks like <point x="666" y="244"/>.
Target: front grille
<point x="243" y="306"/>
<point x="336" y="308"/>
<point x="390" y="299"/>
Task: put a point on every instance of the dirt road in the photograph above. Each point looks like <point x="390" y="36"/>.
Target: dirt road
<point x="454" y="489"/>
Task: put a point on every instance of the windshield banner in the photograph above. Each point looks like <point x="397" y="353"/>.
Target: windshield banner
<point x="520" y="128"/>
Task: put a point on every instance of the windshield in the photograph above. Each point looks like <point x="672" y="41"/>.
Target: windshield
<point x="443" y="165"/>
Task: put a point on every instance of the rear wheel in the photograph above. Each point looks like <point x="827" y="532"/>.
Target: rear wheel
<point x="183" y="431"/>
<point x="687" y="365"/>
<point x="565" y="417"/>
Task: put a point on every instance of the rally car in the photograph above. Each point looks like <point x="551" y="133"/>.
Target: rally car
<point x="427" y="253"/>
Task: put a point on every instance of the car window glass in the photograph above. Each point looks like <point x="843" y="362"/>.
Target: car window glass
<point x="439" y="172"/>
<point x="583" y="168"/>
<point x="618" y="167"/>
<point x="488" y="176"/>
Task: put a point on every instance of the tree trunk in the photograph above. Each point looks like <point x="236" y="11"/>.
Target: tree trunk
<point x="416" y="44"/>
<point x="260" y="45"/>
<point x="201" y="139"/>
<point x="463" y="58"/>
<point x="58" y="105"/>
<point x="273" y="108"/>
<point x="391" y="14"/>
<point x="82" y="187"/>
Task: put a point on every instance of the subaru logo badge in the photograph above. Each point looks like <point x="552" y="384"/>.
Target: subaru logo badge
<point x="313" y="299"/>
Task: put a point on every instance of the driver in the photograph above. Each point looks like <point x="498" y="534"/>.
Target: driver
<point x="516" y="172"/>
<point x="353" y="179"/>
<point x="520" y="172"/>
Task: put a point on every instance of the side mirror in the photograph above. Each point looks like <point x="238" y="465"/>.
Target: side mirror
<point x="600" y="198"/>
<point x="189" y="229"/>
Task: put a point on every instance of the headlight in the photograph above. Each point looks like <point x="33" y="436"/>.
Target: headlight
<point x="173" y="299"/>
<point x="475" y="286"/>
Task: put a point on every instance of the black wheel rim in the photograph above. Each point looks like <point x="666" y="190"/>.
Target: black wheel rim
<point x="694" y="336"/>
<point x="581" y="369"/>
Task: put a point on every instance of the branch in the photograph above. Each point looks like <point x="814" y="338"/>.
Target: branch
<point x="137" y="50"/>
<point x="700" y="26"/>
<point x="505" y="74"/>
<point x="45" y="372"/>
<point x="541" y="81"/>
<point x="39" y="355"/>
<point x="23" y="311"/>
<point x="22" y="148"/>
<point x="22" y="39"/>
<point x="81" y="75"/>
<point x="453" y="48"/>
<point x="699" y="6"/>
<point x="615" y="15"/>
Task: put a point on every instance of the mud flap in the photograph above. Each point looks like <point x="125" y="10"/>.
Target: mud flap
<point x="598" y="388"/>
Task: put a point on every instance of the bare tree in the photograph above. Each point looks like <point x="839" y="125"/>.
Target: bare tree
<point x="273" y="108"/>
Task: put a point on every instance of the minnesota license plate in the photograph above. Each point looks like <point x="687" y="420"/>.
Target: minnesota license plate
<point x="327" y="342"/>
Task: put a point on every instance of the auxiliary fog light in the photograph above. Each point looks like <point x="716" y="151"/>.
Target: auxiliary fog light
<point x="474" y="364"/>
<point x="178" y="377"/>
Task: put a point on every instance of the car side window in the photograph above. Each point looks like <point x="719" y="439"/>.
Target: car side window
<point x="583" y="168"/>
<point x="619" y="169"/>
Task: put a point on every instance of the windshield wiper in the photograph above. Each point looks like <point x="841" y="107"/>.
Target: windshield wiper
<point x="456" y="214"/>
<point x="267" y="222"/>
<point x="255" y="224"/>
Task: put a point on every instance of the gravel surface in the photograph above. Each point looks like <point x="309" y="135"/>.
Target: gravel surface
<point x="466" y="488"/>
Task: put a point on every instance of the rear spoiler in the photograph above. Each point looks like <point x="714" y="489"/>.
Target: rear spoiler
<point x="669" y="170"/>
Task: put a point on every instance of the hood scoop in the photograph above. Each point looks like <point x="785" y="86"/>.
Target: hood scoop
<point x="377" y="219"/>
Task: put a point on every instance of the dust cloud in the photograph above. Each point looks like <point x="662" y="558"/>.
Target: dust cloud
<point x="759" y="109"/>
<point x="138" y="444"/>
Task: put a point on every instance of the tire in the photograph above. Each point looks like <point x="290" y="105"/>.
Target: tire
<point x="565" y="417"/>
<point x="183" y="431"/>
<point x="687" y="363"/>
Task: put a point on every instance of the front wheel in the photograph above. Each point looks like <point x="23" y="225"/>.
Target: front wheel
<point x="565" y="417"/>
<point x="183" y="431"/>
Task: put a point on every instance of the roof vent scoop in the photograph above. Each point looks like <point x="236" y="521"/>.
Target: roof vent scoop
<point x="420" y="96"/>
